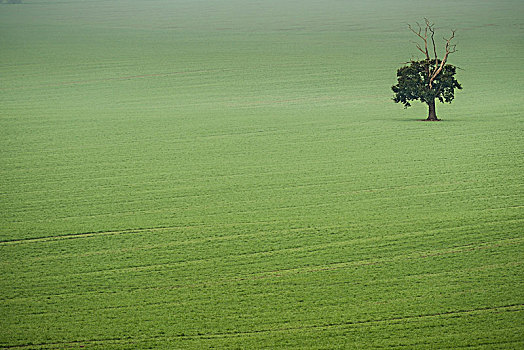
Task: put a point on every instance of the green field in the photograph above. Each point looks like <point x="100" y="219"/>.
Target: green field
<point x="233" y="174"/>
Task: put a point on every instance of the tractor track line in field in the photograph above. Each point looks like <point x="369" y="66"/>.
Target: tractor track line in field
<point x="299" y="270"/>
<point x="125" y="77"/>
<point x="197" y="240"/>
<point x="87" y="234"/>
<point x="169" y="304"/>
<point x="226" y="281"/>
<point x="300" y="230"/>
<point x="334" y="266"/>
<point x="409" y="318"/>
<point x="490" y="344"/>
<point x="503" y="308"/>
<point x="425" y="345"/>
<point x="253" y="210"/>
<point x="94" y="175"/>
<point x="146" y="229"/>
<point x="36" y="205"/>
<point x="274" y="209"/>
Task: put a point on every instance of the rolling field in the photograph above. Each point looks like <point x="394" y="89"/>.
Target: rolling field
<point x="194" y="174"/>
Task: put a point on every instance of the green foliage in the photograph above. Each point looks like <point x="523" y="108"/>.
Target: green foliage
<point x="414" y="79"/>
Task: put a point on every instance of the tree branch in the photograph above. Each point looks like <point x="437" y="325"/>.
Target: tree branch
<point x="423" y="37"/>
<point x="450" y="48"/>
<point x="432" y="30"/>
<point x="418" y="47"/>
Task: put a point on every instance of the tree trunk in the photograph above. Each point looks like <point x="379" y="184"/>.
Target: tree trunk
<point x="432" y="115"/>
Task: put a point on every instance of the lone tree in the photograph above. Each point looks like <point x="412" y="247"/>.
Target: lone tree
<point x="428" y="79"/>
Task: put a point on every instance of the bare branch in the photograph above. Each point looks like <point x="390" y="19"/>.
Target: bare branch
<point x="430" y="27"/>
<point x="418" y="47"/>
<point x="450" y="48"/>
<point x="414" y="31"/>
<point x="423" y="37"/>
<point x="432" y="30"/>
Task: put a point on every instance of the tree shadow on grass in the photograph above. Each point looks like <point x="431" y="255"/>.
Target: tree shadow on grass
<point x="428" y="121"/>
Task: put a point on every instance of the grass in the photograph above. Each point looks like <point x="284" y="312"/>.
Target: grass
<point x="194" y="174"/>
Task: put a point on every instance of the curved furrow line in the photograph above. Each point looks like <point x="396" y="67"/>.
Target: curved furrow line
<point x="35" y="205"/>
<point x="252" y="211"/>
<point x="226" y="281"/>
<point x="272" y="274"/>
<point x="299" y="270"/>
<point x="88" y="234"/>
<point x="358" y="323"/>
<point x="118" y="78"/>
<point x="334" y="266"/>
<point x="95" y="178"/>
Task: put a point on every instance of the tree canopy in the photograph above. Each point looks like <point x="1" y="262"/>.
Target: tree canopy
<point x="413" y="83"/>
